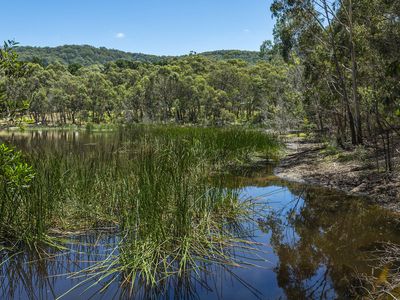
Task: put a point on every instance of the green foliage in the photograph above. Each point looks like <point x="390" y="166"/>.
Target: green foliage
<point x="86" y="55"/>
<point x="19" y="214"/>
<point x="359" y="153"/>
<point x="252" y="57"/>
<point x="152" y="183"/>
<point x="12" y="73"/>
<point x="349" y="58"/>
<point x="9" y="63"/>
<point x="187" y="90"/>
<point x="80" y="55"/>
<point x="330" y="150"/>
<point x="14" y="172"/>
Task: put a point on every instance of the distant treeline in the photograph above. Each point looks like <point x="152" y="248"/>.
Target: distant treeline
<point x="191" y="89"/>
<point x="86" y="55"/>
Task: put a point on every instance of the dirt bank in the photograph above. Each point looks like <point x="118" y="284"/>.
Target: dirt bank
<point x="355" y="171"/>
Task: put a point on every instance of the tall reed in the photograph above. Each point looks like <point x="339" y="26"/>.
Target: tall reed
<point x="152" y="185"/>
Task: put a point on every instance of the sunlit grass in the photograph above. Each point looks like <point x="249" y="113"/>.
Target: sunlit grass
<point x="152" y="185"/>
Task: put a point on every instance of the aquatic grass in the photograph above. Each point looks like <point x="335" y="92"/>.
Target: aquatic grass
<point x="221" y="144"/>
<point x="149" y="261"/>
<point x="152" y="185"/>
<point x="176" y="222"/>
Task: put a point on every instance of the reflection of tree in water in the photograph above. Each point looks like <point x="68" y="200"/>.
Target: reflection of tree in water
<point x="34" y="273"/>
<point x="49" y="273"/>
<point x="322" y="240"/>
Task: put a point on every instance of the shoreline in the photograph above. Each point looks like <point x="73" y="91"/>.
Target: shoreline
<point x="347" y="171"/>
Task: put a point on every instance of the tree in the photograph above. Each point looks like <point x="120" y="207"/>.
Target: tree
<point x="12" y="100"/>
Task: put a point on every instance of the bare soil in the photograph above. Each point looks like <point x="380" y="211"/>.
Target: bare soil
<point x="356" y="171"/>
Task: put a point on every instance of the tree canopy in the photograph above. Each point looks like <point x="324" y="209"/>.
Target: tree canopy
<point x="191" y="89"/>
<point x="349" y="53"/>
<point x="88" y="55"/>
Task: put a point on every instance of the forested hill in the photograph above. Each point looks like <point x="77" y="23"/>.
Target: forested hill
<point x="249" y="56"/>
<point x="88" y="55"/>
<point x="80" y="54"/>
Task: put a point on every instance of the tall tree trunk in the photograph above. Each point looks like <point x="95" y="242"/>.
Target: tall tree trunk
<point x="354" y="72"/>
<point x="73" y="117"/>
<point x="341" y="79"/>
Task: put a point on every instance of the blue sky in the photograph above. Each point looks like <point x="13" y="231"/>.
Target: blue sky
<point x="170" y="27"/>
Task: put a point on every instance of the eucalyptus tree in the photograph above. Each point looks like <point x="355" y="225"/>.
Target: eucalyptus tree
<point x="133" y="102"/>
<point x="36" y="89"/>
<point x="312" y="30"/>
<point x="192" y="89"/>
<point x="12" y="71"/>
<point x="100" y="93"/>
<point x="166" y="80"/>
<point x="350" y="56"/>
<point x="76" y="96"/>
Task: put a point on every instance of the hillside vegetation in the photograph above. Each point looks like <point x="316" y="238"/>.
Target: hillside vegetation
<point x="190" y="89"/>
<point x="88" y="55"/>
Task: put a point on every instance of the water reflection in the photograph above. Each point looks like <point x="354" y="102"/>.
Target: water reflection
<point x="323" y="240"/>
<point x="44" y="274"/>
<point x="315" y="239"/>
<point x="49" y="274"/>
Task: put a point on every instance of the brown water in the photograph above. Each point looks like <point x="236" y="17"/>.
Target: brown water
<point x="316" y="240"/>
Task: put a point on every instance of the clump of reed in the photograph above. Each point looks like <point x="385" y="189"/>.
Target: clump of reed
<point x="152" y="185"/>
<point x="172" y="221"/>
<point x="230" y="144"/>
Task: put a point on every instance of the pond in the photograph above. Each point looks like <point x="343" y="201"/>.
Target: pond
<point x="308" y="242"/>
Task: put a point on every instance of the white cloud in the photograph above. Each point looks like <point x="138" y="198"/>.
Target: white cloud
<point x="246" y="30"/>
<point x="120" y="35"/>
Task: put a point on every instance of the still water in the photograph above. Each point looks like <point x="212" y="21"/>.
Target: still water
<point x="313" y="243"/>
